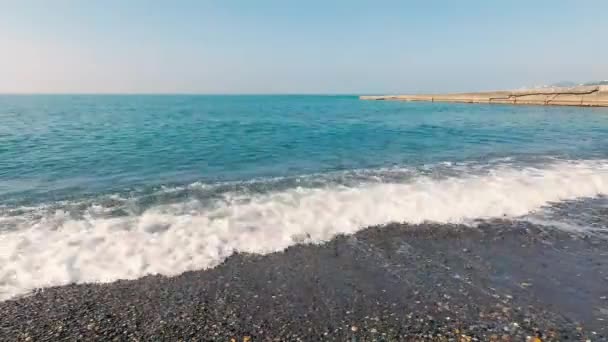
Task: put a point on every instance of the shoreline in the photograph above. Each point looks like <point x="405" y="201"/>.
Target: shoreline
<point x="502" y="280"/>
<point x="581" y="96"/>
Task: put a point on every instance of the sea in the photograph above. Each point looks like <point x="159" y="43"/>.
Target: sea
<point x="96" y="188"/>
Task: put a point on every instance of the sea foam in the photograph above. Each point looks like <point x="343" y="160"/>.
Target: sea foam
<point x="59" y="247"/>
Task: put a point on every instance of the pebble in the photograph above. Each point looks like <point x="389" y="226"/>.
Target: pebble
<point x="312" y="299"/>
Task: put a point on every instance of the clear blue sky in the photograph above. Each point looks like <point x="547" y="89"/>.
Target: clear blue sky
<point x="283" y="46"/>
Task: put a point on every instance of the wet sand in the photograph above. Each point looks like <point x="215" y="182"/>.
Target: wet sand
<point x="501" y="281"/>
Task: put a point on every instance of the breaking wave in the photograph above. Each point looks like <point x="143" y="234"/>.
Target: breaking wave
<point x="194" y="227"/>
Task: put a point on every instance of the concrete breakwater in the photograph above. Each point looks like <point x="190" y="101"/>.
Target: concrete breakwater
<point x="593" y="96"/>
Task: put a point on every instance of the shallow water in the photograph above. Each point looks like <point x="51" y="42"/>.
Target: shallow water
<point x="98" y="188"/>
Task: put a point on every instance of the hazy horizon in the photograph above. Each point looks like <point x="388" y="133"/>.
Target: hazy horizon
<point x="274" y="47"/>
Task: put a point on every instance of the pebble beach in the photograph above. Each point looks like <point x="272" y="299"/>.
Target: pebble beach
<point x="499" y="281"/>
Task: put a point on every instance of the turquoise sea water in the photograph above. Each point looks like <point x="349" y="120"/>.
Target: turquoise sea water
<point x="55" y="147"/>
<point x="97" y="188"/>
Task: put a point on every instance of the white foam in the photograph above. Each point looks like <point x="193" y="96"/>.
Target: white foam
<point x="57" y="249"/>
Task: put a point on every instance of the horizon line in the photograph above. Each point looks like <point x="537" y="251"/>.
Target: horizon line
<point x="185" y="94"/>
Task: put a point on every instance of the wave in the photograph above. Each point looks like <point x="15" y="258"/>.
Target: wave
<point x="102" y="241"/>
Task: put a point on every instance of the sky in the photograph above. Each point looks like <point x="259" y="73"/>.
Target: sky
<point x="285" y="46"/>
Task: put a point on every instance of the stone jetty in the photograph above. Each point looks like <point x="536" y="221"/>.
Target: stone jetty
<point x="591" y="96"/>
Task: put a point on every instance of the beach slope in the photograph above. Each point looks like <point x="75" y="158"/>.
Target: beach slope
<point x="503" y="280"/>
